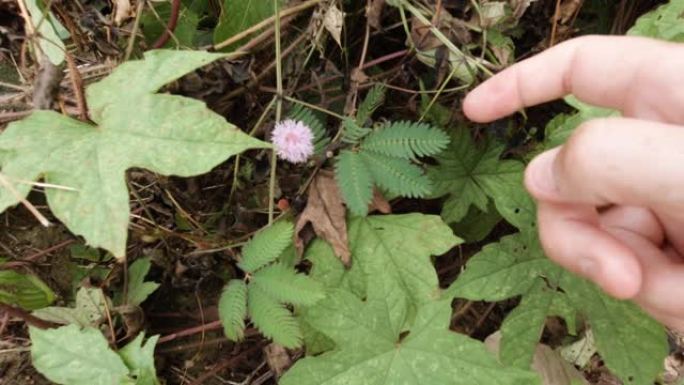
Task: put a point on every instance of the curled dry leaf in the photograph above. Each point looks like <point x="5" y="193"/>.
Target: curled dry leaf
<point x="374" y="13"/>
<point x="519" y="7"/>
<point x="326" y="213"/>
<point x="124" y="11"/>
<point x="333" y="22"/>
<point x="277" y="358"/>
<point x="379" y="203"/>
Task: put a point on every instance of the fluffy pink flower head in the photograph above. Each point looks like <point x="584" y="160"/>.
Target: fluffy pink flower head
<point x="293" y="141"/>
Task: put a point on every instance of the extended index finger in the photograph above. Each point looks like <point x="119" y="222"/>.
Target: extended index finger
<point x="616" y="72"/>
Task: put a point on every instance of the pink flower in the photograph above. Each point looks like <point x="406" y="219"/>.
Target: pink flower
<point x="293" y="141"/>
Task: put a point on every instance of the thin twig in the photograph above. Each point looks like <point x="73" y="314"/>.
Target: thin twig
<point x="25" y="316"/>
<point x="279" y="111"/>
<point x="170" y="26"/>
<point x="30" y="207"/>
<point x="134" y="30"/>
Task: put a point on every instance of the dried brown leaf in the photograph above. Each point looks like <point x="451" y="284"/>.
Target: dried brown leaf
<point x="333" y="21"/>
<point x="379" y="203"/>
<point x="374" y="13"/>
<point x="123" y="11"/>
<point x="277" y="358"/>
<point x="552" y="368"/>
<point x="326" y="213"/>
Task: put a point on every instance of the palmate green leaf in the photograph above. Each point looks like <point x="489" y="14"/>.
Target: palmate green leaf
<point x="559" y="129"/>
<point x="284" y="284"/>
<point x="408" y="140"/>
<point x="391" y="255"/>
<point x="523" y="326"/>
<point x="167" y="134"/>
<point x="500" y="271"/>
<point x="24" y="290"/>
<point x="272" y="318"/>
<point x="355" y="182"/>
<point x="266" y="246"/>
<point x="396" y="175"/>
<point x="138" y="356"/>
<point x="138" y="289"/>
<point x="633" y="345"/>
<point x="369" y="350"/>
<point x="665" y="22"/>
<point x="74" y="356"/>
<point x="232" y="309"/>
<point x="470" y="175"/>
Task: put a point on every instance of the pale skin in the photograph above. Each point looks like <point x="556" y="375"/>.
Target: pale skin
<point x="610" y="200"/>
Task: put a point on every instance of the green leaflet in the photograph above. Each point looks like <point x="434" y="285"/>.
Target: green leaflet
<point x="514" y="267"/>
<point x="284" y="284"/>
<point x="167" y="134"/>
<point x="272" y="318"/>
<point x="73" y="356"/>
<point x="370" y="350"/>
<point x="384" y="158"/>
<point x="24" y="290"/>
<point x="396" y="175"/>
<point x="272" y="286"/>
<point x="355" y="182"/>
<point x="470" y="175"/>
<point x="407" y="140"/>
<point x="266" y="246"/>
<point x="232" y="309"/>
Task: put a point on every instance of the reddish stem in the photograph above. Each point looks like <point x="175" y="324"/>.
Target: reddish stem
<point x="170" y="26"/>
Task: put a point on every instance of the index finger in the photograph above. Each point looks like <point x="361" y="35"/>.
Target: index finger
<point x="600" y="70"/>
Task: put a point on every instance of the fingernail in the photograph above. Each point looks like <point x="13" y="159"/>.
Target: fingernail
<point x="588" y="267"/>
<point x="540" y="177"/>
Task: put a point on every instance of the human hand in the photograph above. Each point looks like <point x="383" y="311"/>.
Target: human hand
<point x="611" y="200"/>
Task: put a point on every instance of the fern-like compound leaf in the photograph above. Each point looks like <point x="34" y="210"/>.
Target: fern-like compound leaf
<point x="353" y="133"/>
<point x="407" y="140"/>
<point x="374" y="99"/>
<point x="398" y="176"/>
<point x="308" y="117"/>
<point x="272" y="318"/>
<point x="286" y="285"/>
<point x="266" y="246"/>
<point x="232" y="309"/>
<point x="355" y="182"/>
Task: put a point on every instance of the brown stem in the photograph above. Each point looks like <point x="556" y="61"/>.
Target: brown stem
<point x="227" y="363"/>
<point x="194" y="330"/>
<point x="25" y="316"/>
<point x="170" y="26"/>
